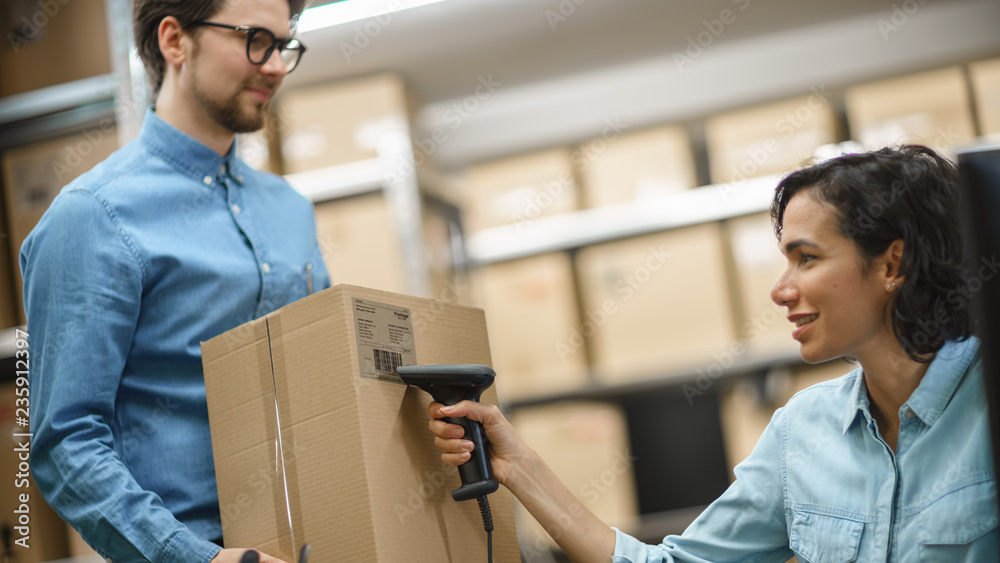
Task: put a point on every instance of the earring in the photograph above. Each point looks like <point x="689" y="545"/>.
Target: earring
<point x="889" y="286"/>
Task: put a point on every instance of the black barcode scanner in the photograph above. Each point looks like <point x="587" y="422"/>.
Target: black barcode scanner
<point x="449" y="384"/>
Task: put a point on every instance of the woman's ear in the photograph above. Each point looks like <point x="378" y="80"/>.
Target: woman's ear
<point x="891" y="260"/>
<point x="171" y="37"/>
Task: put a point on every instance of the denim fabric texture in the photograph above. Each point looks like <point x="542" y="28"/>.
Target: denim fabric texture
<point x="822" y="484"/>
<point x="160" y="247"/>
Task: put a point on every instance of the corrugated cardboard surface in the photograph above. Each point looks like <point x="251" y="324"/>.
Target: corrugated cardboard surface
<point x="775" y="138"/>
<point x="531" y="305"/>
<point x="48" y="43"/>
<point x="637" y="165"/>
<point x="331" y="124"/>
<point x="33" y="176"/>
<point x="364" y="481"/>
<point x="656" y="303"/>
<point x="986" y="85"/>
<point x="930" y="108"/>
<point x="517" y="190"/>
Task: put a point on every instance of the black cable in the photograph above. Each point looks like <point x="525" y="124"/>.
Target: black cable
<point x="484" y="509"/>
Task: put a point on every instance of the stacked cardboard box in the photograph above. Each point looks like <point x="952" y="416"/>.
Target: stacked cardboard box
<point x="316" y="440"/>
<point x="531" y="306"/>
<point x="620" y="167"/>
<point x="929" y="108"/>
<point x="518" y="190"/>
<point x="986" y="87"/>
<point x="587" y="446"/>
<point x="656" y="303"/>
<point x="49" y="43"/>
<point x="774" y="138"/>
<point x="34" y="174"/>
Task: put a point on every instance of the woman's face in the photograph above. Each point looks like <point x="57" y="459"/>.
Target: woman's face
<point x="836" y="308"/>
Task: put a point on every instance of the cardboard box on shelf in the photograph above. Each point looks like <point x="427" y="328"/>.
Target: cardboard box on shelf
<point x="774" y="138"/>
<point x="517" y="190"/>
<point x="635" y="165"/>
<point x="49" y="43"/>
<point x="531" y="305"/>
<point x="342" y="122"/>
<point x="762" y="324"/>
<point x="929" y="108"/>
<point x="317" y="441"/>
<point x="34" y="174"/>
<point x="986" y="87"/>
<point x="587" y="446"/>
<point x="34" y="532"/>
<point x="656" y="304"/>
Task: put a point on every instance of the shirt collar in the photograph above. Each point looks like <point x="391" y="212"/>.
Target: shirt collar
<point x="935" y="390"/>
<point x="188" y="155"/>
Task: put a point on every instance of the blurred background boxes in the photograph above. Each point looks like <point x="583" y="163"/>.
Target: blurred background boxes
<point x="52" y="42"/>
<point x="758" y="262"/>
<point x="34" y="174"/>
<point x="619" y="167"/>
<point x="340" y="122"/>
<point x="930" y="108"/>
<point x="8" y="270"/>
<point x="655" y="303"/>
<point x="519" y="189"/>
<point x="773" y="138"/>
<point x="986" y="87"/>
<point x="587" y="446"/>
<point x="532" y="312"/>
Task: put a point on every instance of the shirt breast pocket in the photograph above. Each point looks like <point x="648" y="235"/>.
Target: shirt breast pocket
<point x="816" y="537"/>
<point x="961" y="525"/>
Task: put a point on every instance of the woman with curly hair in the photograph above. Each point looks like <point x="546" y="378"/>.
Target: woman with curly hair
<point x="890" y="462"/>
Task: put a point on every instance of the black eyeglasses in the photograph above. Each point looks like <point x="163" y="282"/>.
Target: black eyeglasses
<point x="261" y="43"/>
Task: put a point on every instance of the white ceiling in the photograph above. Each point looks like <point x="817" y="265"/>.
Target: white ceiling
<point x="566" y="66"/>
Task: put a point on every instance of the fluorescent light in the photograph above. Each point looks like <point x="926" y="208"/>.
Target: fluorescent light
<point x="347" y="11"/>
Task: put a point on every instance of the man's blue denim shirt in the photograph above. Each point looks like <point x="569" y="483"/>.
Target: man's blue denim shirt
<point x="823" y="485"/>
<point x="160" y="247"/>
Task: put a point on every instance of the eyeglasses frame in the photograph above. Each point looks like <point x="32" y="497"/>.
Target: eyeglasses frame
<point x="276" y="42"/>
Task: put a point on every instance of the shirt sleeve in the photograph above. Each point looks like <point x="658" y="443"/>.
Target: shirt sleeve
<point x="83" y="284"/>
<point x="746" y="523"/>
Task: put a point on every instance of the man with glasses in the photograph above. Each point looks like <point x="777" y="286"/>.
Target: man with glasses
<point x="169" y="242"/>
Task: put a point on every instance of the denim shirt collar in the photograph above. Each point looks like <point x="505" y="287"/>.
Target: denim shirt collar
<point x="935" y="390"/>
<point x="187" y="155"/>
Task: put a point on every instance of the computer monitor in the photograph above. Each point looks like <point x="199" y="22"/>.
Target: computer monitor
<point x="979" y="178"/>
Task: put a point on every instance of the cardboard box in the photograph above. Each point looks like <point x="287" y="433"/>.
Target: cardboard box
<point x="361" y="245"/>
<point x="316" y="442"/>
<point x="761" y="325"/>
<point x="656" y="304"/>
<point x="34" y="174"/>
<point x="986" y="87"/>
<point x="636" y="165"/>
<point x="518" y="190"/>
<point x="8" y="309"/>
<point x="930" y="108"/>
<point x="587" y="446"/>
<point x="43" y="536"/>
<point x="774" y="138"/>
<point x="531" y="305"/>
<point x="338" y="123"/>
<point x="49" y="43"/>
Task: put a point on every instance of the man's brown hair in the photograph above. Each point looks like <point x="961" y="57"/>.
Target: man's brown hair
<point x="146" y="18"/>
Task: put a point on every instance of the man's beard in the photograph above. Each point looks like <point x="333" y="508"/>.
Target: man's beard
<point x="230" y="112"/>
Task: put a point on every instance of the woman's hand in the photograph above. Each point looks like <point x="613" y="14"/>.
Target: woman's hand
<point x="506" y="447"/>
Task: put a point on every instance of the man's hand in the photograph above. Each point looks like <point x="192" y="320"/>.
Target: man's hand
<point x="242" y="555"/>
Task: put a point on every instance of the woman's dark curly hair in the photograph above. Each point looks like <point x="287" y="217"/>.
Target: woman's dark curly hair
<point x="909" y="193"/>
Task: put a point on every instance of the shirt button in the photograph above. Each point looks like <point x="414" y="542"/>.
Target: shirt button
<point x="236" y="209"/>
<point x="222" y="169"/>
<point x="239" y="177"/>
<point x="207" y="180"/>
<point x="909" y="413"/>
<point x="266" y="267"/>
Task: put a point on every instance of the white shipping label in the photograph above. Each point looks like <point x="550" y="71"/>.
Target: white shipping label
<point x="385" y="339"/>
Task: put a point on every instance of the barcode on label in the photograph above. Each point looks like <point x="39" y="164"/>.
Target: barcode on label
<point x="387" y="362"/>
